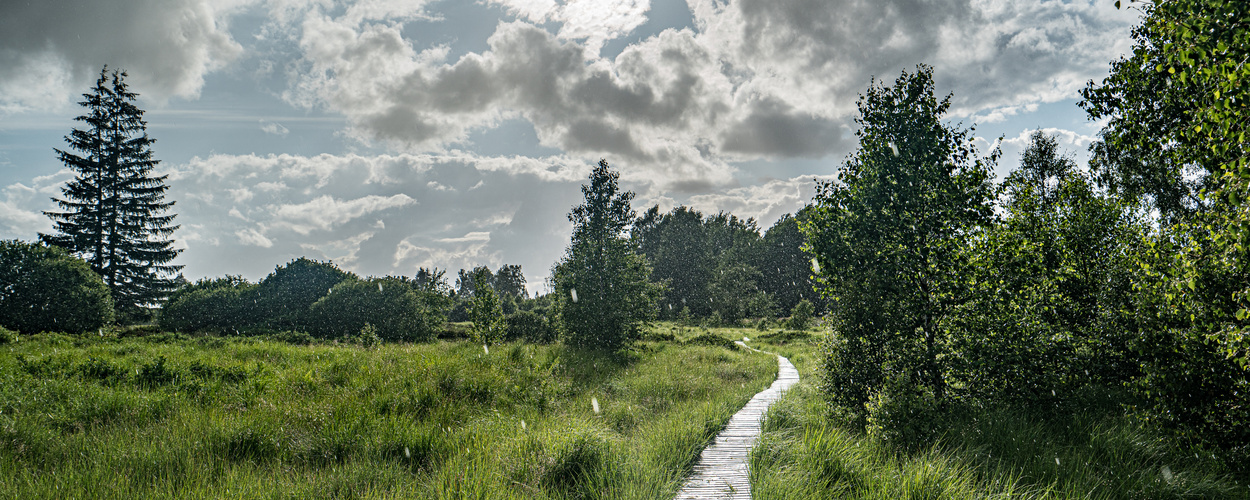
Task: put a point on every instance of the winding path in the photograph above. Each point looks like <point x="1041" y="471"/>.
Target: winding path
<point x="722" y="471"/>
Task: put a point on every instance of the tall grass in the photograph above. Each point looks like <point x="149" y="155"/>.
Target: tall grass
<point x="176" y="417"/>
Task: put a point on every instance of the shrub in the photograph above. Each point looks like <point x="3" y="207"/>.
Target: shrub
<point x="711" y="339"/>
<point x="489" y="326"/>
<point x="221" y="305"/>
<point x="286" y="295"/>
<point x="368" y="337"/>
<point x="292" y="337"/>
<point x="801" y="315"/>
<point x="904" y="414"/>
<point x="8" y="336"/>
<point x="530" y="327"/>
<point x="44" y="288"/>
<point x="156" y="374"/>
<point x="714" y="320"/>
<point x="390" y="304"/>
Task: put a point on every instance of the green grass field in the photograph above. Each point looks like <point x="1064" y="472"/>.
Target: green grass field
<point x="169" y="416"/>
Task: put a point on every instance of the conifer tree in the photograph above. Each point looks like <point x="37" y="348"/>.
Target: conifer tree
<point x="114" y="213"/>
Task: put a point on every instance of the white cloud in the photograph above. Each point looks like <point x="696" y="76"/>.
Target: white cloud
<point x="273" y="128"/>
<point x="326" y="212"/>
<point x="251" y="236"/>
<point x="593" y="22"/>
<point x="50" y="50"/>
<point x="754" y="79"/>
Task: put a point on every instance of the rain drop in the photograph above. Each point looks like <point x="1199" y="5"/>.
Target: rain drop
<point x="573" y="294"/>
<point x="486" y="348"/>
<point x="522" y="425"/>
<point x="379" y="287"/>
<point x="893" y="148"/>
<point x="815" y="266"/>
<point x="594" y="403"/>
<point x="1056" y="460"/>
<point x="407" y="454"/>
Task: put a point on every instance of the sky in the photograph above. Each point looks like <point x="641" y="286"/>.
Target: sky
<point x="388" y="135"/>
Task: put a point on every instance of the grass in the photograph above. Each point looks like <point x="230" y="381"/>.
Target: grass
<point x="178" y="417"/>
<point x="807" y="451"/>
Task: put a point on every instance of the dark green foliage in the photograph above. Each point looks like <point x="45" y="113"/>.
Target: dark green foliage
<point x="1050" y="282"/>
<point x="397" y="309"/>
<point x="44" y="288"/>
<point x="708" y="264"/>
<point x="367" y="337"/>
<point x="603" y="288"/>
<point x="681" y="255"/>
<point x="904" y="414"/>
<point x="510" y="282"/>
<point x="786" y="268"/>
<point x="713" y="340"/>
<point x="156" y="374"/>
<point x="1186" y="300"/>
<point x="889" y="236"/>
<point x="8" y="336"/>
<point x="287" y="294"/>
<point x="734" y="292"/>
<point x="486" y="313"/>
<point x="1176" y="134"/>
<point x="114" y="208"/>
<point x="530" y="327"/>
<point x="801" y="316"/>
<point x="222" y="305"/>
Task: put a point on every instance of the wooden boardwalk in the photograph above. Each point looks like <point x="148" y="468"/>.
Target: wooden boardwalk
<point x="721" y="471"/>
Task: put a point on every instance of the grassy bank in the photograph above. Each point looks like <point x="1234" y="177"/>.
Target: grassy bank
<point x="169" y="416"/>
<point x="1090" y="450"/>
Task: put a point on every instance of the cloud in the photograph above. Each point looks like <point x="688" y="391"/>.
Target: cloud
<point x="593" y="22"/>
<point x="326" y="212"/>
<point x="250" y="236"/>
<point x="753" y="79"/>
<point x="273" y="128"/>
<point x="51" y="49"/>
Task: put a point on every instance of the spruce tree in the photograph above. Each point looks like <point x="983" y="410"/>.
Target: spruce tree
<point x="114" y="210"/>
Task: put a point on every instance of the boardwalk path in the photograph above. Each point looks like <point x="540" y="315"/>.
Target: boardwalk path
<point x="721" y="471"/>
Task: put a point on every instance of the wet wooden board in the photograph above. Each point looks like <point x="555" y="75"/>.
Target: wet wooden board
<point x="721" y="471"/>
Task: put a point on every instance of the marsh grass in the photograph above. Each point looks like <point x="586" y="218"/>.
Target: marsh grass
<point x="172" y="416"/>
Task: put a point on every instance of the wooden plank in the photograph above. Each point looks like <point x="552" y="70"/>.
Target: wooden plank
<point x="721" y="472"/>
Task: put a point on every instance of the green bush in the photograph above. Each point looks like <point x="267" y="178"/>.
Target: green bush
<point x="286" y="295"/>
<point x="390" y="304"/>
<point x="530" y="327"/>
<point x="44" y="288"/>
<point x="712" y="339"/>
<point x="486" y="313"/>
<point x="8" y="336"/>
<point x="801" y="315"/>
<point x="903" y="414"/>
<point x="220" y="305"/>
<point x="367" y="337"/>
